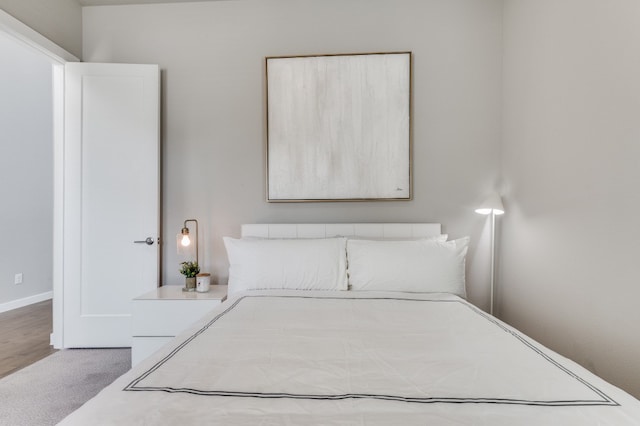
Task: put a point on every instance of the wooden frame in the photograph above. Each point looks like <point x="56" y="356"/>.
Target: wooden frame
<point x="339" y="127"/>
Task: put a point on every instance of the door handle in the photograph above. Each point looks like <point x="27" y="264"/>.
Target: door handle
<point x="148" y="241"/>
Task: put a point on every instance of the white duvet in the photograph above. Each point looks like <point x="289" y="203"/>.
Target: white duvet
<point x="356" y="358"/>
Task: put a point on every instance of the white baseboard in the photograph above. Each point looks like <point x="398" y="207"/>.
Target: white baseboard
<point x="20" y="303"/>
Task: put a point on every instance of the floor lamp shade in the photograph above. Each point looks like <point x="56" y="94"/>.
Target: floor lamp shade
<point x="493" y="204"/>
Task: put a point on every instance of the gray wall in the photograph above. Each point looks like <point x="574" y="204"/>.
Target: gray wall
<point x="26" y="171"/>
<point x="571" y="160"/>
<point x="212" y="55"/>
<point x="58" y="20"/>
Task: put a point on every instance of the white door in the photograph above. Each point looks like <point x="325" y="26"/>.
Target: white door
<point x="111" y="199"/>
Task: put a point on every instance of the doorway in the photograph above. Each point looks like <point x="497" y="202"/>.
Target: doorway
<point x="26" y="216"/>
<point x="30" y="151"/>
<point x="123" y="107"/>
<point x="26" y="174"/>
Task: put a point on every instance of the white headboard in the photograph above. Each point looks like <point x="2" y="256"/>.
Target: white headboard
<point x="324" y="230"/>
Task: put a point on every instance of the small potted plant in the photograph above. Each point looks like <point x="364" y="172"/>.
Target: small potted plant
<point x="190" y="270"/>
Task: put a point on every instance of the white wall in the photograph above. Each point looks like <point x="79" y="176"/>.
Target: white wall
<point x="26" y="172"/>
<point x="571" y="159"/>
<point x="58" y="20"/>
<point x="212" y="58"/>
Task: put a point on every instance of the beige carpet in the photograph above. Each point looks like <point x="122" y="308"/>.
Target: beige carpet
<point x="46" y="392"/>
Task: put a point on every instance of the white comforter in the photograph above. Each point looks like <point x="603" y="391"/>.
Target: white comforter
<point x="297" y="358"/>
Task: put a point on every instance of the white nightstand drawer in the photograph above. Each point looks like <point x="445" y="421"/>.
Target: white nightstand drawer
<point x="144" y="346"/>
<point x="168" y="317"/>
<point x="163" y="313"/>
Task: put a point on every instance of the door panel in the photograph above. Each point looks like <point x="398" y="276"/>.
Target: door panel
<point x="111" y="198"/>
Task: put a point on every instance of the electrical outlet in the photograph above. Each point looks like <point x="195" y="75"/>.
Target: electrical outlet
<point x="17" y="279"/>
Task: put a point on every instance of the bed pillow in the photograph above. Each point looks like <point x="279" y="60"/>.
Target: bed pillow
<point x="294" y="264"/>
<point x="439" y="237"/>
<point x="420" y="266"/>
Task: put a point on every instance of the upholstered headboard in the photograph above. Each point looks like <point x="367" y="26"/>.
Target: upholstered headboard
<point x="323" y="230"/>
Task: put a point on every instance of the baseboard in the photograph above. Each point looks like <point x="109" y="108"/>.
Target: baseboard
<point x="26" y="301"/>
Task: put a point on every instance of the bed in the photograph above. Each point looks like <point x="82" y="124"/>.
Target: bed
<point x="355" y="324"/>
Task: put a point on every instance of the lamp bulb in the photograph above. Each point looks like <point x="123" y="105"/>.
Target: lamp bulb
<point x="185" y="241"/>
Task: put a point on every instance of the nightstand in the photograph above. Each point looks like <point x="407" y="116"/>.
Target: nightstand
<point x="161" y="314"/>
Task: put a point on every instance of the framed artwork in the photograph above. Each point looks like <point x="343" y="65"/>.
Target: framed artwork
<point x="339" y="127"/>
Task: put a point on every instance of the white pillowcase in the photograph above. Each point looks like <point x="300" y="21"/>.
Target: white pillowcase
<point x="439" y="237"/>
<point x="294" y="264"/>
<point x="420" y="266"/>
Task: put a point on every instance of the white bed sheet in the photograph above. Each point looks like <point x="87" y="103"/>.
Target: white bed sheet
<point x="309" y="357"/>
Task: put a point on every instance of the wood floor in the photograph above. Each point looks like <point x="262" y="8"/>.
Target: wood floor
<point x="24" y="336"/>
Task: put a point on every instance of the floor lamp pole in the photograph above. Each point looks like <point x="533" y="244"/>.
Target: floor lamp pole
<point x="493" y="260"/>
<point x="493" y="206"/>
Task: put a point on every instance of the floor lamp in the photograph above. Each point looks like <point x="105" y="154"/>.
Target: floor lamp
<point x="492" y="206"/>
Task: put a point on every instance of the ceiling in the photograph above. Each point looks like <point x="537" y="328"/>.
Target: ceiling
<point x="113" y="2"/>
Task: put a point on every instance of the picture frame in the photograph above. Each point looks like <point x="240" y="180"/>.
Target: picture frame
<point x="339" y="127"/>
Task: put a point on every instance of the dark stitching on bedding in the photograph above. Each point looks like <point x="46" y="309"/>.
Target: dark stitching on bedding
<point x="430" y="400"/>
<point x="542" y="354"/>
<point x="182" y="345"/>
<point x="606" y="400"/>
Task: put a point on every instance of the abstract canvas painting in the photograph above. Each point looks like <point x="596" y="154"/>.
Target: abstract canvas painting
<point x="339" y="127"/>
